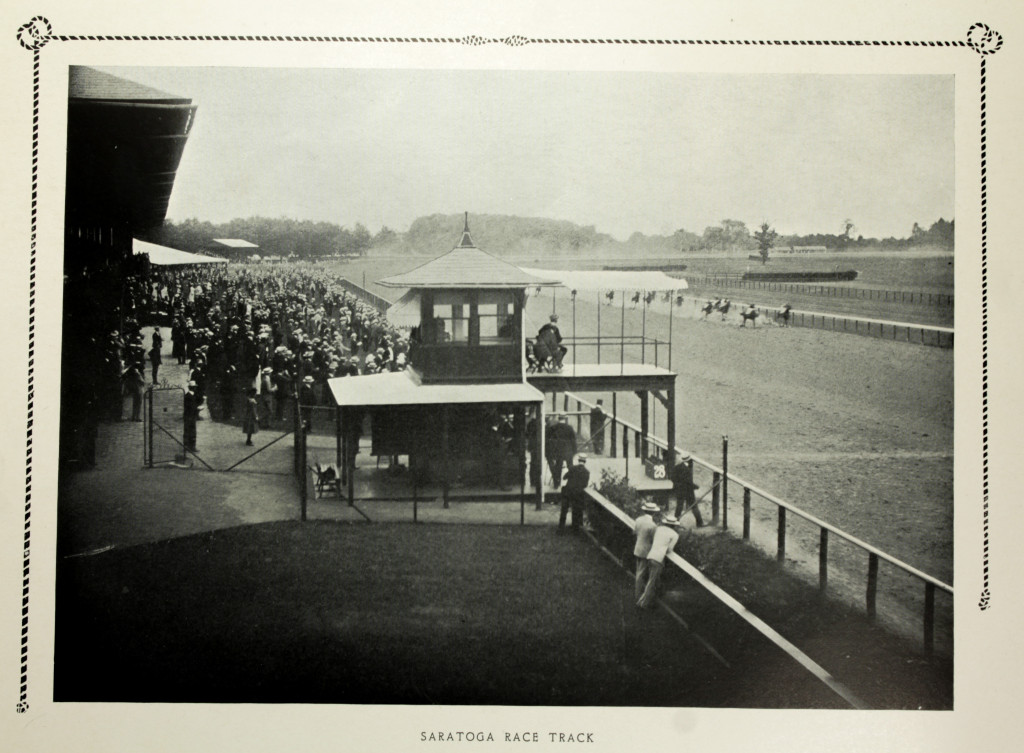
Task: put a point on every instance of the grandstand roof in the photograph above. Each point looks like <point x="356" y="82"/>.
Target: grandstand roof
<point x="234" y="243"/>
<point x="403" y="388"/>
<point x="125" y="141"/>
<point x="164" y="256"/>
<point x="465" y="266"/>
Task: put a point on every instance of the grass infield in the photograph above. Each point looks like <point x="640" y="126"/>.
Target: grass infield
<point x="323" y="612"/>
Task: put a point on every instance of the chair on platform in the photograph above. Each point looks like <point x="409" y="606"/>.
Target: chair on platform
<point x="326" y="479"/>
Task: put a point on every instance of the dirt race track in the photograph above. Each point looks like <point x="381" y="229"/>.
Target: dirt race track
<point x="855" y="430"/>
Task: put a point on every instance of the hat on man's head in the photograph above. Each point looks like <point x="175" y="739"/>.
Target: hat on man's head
<point x="268" y="370"/>
<point x="670" y="520"/>
<point x="307" y="379"/>
<point x="553" y="317"/>
<point x="649" y="506"/>
<point x="685" y="457"/>
<point x="581" y="458"/>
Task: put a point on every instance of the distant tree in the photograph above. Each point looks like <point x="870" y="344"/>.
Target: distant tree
<point x="765" y="237"/>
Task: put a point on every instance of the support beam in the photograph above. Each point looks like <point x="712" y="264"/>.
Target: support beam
<point x="644" y="424"/>
<point x="541" y="455"/>
<point x="670" y="432"/>
<point x="445" y="454"/>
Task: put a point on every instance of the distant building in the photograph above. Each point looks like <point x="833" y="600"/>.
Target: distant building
<point x="230" y="248"/>
<point x="800" y="250"/>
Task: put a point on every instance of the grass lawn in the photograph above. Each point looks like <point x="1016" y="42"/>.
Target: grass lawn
<point x="399" y="613"/>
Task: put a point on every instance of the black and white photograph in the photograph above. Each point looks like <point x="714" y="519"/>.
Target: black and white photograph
<point x="521" y="395"/>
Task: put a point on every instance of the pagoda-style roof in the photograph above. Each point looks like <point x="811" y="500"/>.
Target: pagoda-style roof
<point x="466" y="266"/>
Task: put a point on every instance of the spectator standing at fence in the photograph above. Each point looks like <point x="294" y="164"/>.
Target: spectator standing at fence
<point x="190" y="414"/>
<point x="576" y="481"/>
<point x="597" y="421"/>
<point x="643" y="530"/>
<point x="664" y="541"/>
<point x="307" y="399"/>
<point x="251" y="423"/>
<point x="268" y="389"/>
<point x="155" y="360"/>
<point x="683" y="487"/>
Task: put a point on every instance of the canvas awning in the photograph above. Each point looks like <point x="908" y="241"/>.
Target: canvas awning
<point x="611" y="280"/>
<point x="402" y="388"/>
<point x="405" y="312"/>
<point x="163" y="256"/>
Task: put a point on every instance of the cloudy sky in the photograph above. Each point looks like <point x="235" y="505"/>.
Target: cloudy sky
<point x="648" y="152"/>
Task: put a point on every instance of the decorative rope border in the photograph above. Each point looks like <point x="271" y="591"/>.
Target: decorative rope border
<point x="37" y="32"/>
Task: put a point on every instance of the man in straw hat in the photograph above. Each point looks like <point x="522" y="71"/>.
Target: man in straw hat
<point x="577" y="478"/>
<point x="664" y="541"/>
<point x="643" y="529"/>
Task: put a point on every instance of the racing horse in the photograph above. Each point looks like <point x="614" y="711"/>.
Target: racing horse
<point x="750" y="313"/>
<point x="784" y="315"/>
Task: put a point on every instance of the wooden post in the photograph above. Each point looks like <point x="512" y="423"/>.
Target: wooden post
<point x="823" y="562"/>
<point x="642" y="448"/>
<point x="746" y="513"/>
<point x="541" y="454"/>
<point x="579" y="419"/>
<point x="614" y="426"/>
<point x="599" y="326"/>
<point x="337" y="437"/>
<point x="929" y="618"/>
<point x="872" y="584"/>
<point x="519" y="443"/>
<point x="715" y="478"/>
<point x="780" y="553"/>
<point x="725" y="482"/>
<point x="643" y="333"/>
<point x="625" y="450"/>
<point x="350" y="460"/>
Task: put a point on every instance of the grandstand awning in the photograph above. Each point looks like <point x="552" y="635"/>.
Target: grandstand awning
<point x="164" y="256"/>
<point x="403" y="388"/>
<point x="611" y="280"/>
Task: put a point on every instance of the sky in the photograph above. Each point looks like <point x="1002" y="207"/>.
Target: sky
<point x="622" y="151"/>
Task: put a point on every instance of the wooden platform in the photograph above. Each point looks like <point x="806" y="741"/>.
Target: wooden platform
<point x="603" y="377"/>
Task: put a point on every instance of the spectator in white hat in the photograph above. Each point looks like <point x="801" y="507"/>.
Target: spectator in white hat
<point x="665" y="538"/>
<point x="643" y="529"/>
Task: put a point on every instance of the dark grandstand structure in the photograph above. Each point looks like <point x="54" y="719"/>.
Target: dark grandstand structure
<point x="125" y="142"/>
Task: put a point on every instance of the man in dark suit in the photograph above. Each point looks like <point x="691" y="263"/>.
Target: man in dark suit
<point x="576" y="481"/>
<point x="560" y="448"/>
<point x="683" y="486"/>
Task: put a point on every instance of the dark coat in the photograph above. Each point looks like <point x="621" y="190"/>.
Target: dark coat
<point x="250" y="424"/>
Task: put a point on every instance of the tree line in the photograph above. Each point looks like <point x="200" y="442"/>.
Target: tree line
<point x="509" y="235"/>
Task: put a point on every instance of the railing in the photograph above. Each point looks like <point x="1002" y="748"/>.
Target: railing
<point x="378" y="302"/>
<point x="924" y="334"/>
<point x="612" y="526"/>
<point x="719" y="489"/>
<point x="734" y="280"/>
<point x="619" y="349"/>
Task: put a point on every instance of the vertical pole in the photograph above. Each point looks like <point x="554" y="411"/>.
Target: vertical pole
<point x="337" y="431"/>
<point x="350" y="460"/>
<point x="622" y="337"/>
<point x="643" y="332"/>
<point x="305" y="475"/>
<point x="625" y="450"/>
<point x="149" y="429"/>
<point x="725" y="482"/>
<point x="716" y="478"/>
<point x="554" y="290"/>
<point x="642" y="448"/>
<point x="541" y="455"/>
<point x="445" y="453"/>
<point x="746" y="514"/>
<point x="872" y="584"/>
<point x="780" y="553"/>
<point x="599" y="326"/>
<point x="929" y="618"/>
<point x="519" y="432"/>
<point x="670" y="431"/>
<point x="671" y="316"/>
<point x="615" y="425"/>
<point x="823" y="562"/>
<point x="579" y="418"/>
<point x="574" y="344"/>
